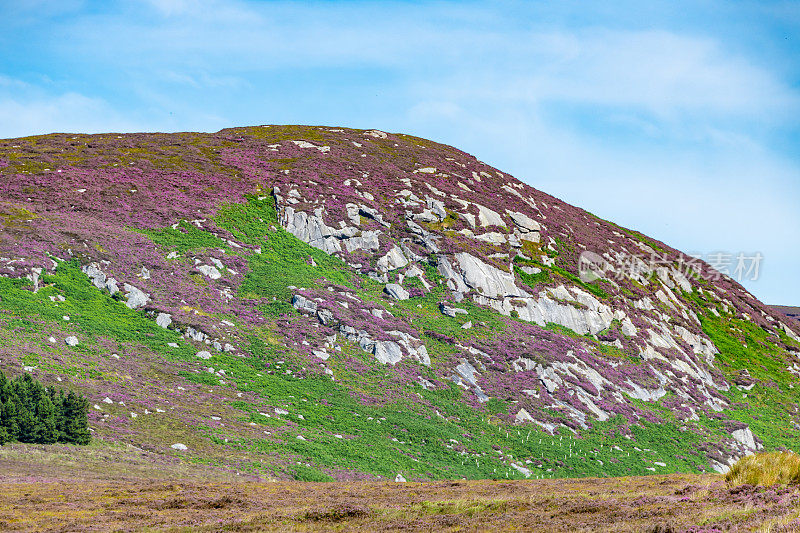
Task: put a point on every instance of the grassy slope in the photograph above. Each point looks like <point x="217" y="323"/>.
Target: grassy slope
<point x="419" y="433"/>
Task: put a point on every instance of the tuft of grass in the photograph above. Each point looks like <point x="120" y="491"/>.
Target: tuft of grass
<point x="773" y="468"/>
<point x="466" y="507"/>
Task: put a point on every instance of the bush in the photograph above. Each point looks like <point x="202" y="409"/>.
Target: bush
<point x="765" y="469"/>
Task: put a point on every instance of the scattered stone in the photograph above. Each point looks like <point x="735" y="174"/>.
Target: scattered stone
<point x="451" y="311"/>
<point x="388" y="352"/>
<point x="179" y="446"/>
<point x="71" y="340"/>
<point x="399" y="478"/>
<point x="204" y="354"/>
<point x="136" y="297"/>
<point x="210" y="271"/>
<point x="303" y="304"/>
<point x="164" y="320"/>
<point x="393" y="260"/>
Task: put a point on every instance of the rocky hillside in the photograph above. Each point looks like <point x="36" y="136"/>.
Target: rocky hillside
<point x="319" y="303"/>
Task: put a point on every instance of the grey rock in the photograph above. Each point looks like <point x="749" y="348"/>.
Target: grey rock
<point x="388" y="352"/>
<point x="204" y="355"/>
<point x="487" y="217"/>
<point x="303" y="304"/>
<point x="524" y="222"/>
<point x="393" y="260"/>
<point x="436" y="207"/>
<point x="489" y="281"/>
<point x="210" y="271"/>
<point x="195" y="334"/>
<point x="450" y="311"/>
<point x="745" y="437"/>
<point x="326" y="318"/>
<point x="310" y="229"/>
<point x="164" y="320"/>
<point x="530" y="270"/>
<point x="322" y="354"/>
<point x="521" y="469"/>
<point x="413" y="346"/>
<point x="136" y="297"/>
<point x="396" y="291"/>
<point x="523" y="416"/>
<point x="71" y="341"/>
<point x="467" y="372"/>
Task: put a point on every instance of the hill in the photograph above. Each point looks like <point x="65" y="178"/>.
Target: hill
<point x="326" y="303"/>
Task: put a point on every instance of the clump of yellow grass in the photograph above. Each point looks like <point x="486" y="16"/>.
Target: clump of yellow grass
<point x="772" y="468"/>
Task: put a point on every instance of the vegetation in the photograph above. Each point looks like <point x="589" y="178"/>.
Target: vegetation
<point x="33" y="413"/>
<point x="772" y="468"/>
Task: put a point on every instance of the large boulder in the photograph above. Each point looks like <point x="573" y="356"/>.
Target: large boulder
<point x="396" y="291"/>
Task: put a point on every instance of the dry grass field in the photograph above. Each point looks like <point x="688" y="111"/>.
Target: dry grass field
<point x="123" y="489"/>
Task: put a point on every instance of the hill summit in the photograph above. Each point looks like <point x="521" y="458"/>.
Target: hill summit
<point x="329" y="303"/>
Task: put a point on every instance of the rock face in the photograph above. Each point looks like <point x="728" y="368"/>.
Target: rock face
<point x="393" y="260"/>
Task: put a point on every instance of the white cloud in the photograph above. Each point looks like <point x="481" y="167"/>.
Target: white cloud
<point x="69" y="112"/>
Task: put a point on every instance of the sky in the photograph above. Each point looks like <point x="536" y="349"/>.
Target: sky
<point x="680" y="119"/>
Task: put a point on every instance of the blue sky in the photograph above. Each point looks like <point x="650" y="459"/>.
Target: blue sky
<point x="679" y="119"/>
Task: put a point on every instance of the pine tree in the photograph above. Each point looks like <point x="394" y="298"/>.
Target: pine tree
<point x="76" y="408"/>
<point x="9" y="415"/>
<point x="44" y="431"/>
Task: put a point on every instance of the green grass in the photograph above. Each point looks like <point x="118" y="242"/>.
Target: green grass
<point x="93" y="313"/>
<point x="184" y="238"/>
<point x="284" y="261"/>
<point x="554" y="271"/>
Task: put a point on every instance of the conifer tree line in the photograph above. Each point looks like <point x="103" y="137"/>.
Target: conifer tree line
<point x="31" y="412"/>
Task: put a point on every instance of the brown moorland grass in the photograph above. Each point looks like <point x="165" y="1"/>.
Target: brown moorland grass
<point x="121" y="488"/>
<point x="654" y="503"/>
<point x="766" y="469"/>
